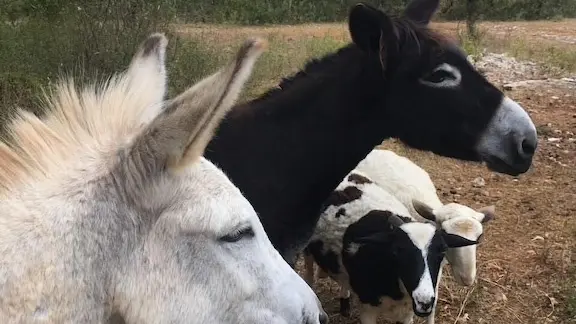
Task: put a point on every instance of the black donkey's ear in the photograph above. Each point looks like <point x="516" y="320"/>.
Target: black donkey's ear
<point x="421" y="11"/>
<point x="370" y="28"/>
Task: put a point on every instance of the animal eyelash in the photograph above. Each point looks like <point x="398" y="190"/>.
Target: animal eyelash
<point x="237" y="235"/>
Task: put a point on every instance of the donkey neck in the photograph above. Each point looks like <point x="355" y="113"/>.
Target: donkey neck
<point x="290" y="148"/>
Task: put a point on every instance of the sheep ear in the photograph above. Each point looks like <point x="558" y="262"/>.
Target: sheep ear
<point x="456" y="241"/>
<point x="395" y="221"/>
<point x="489" y="213"/>
<point x="424" y="210"/>
<point x="383" y="236"/>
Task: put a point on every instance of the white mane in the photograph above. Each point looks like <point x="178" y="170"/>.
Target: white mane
<point x="79" y="125"/>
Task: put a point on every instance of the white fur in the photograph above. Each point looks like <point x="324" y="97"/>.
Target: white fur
<point x="425" y="292"/>
<point x="453" y="82"/>
<point x="510" y="120"/>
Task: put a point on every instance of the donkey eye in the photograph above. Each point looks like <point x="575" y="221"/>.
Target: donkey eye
<point x="439" y="76"/>
<point x="237" y="235"/>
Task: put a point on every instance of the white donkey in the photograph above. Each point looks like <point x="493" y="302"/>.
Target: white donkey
<point x="109" y="209"/>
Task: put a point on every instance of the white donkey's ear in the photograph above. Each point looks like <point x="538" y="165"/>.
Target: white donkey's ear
<point x="179" y="135"/>
<point x="147" y="75"/>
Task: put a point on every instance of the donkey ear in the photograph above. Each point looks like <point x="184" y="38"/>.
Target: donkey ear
<point x="489" y="213"/>
<point x="147" y="74"/>
<point x="179" y="135"/>
<point x="424" y="210"/>
<point x="456" y="241"/>
<point x="421" y="11"/>
<point x="370" y="27"/>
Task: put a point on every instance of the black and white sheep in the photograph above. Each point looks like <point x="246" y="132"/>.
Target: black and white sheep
<point x="412" y="186"/>
<point x="367" y="242"/>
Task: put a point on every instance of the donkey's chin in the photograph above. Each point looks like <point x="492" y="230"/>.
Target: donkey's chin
<point x="499" y="165"/>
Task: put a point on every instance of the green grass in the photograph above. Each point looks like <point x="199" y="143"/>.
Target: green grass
<point x="285" y="58"/>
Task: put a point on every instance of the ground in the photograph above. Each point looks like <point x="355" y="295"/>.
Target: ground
<point x="525" y="268"/>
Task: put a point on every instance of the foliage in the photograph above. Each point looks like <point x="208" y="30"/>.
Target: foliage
<point x="41" y="40"/>
<point x="300" y="11"/>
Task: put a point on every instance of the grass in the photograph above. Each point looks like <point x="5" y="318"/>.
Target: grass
<point x="548" y="53"/>
<point x="286" y="58"/>
<point x="545" y="52"/>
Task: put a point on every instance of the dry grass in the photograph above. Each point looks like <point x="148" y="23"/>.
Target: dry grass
<point x="525" y="266"/>
<point x="548" y="42"/>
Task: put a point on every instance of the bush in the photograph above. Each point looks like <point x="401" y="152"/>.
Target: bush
<point x="256" y="12"/>
<point x="41" y="40"/>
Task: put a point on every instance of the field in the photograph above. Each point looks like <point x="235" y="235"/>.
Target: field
<point x="525" y="260"/>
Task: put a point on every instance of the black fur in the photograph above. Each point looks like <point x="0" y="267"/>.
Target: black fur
<point x="344" y="196"/>
<point x="290" y="148"/>
<point x="372" y="270"/>
<point x="327" y="261"/>
<point x="375" y="268"/>
<point x="358" y="179"/>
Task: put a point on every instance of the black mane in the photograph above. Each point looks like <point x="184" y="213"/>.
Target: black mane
<point x="315" y="69"/>
<point x="412" y="36"/>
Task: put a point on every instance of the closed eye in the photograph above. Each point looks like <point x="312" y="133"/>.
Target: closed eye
<point x="443" y="76"/>
<point x="237" y="235"/>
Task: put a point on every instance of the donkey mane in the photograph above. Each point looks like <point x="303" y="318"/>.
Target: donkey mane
<point x="412" y="31"/>
<point x="82" y="123"/>
<point x="317" y="68"/>
<point x="314" y="70"/>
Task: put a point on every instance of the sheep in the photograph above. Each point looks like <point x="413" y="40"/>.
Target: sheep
<point x="369" y="244"/>
<point x="412" y="185"/>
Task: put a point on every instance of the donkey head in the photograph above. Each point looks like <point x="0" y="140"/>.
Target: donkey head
<point x="202" y="255"/>
<point x="436" y="99"/>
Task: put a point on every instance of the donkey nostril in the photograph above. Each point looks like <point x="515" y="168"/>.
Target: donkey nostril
<point x="528" y="147"/>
